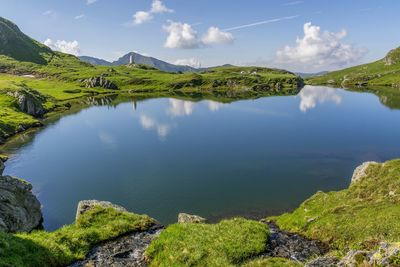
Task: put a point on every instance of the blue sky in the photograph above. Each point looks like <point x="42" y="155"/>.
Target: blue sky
<point x="339" y="33"/>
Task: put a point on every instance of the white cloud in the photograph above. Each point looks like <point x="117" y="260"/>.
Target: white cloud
<point x="48" y="12"/>
<point x="158" y="7"/>
<point x="319" y="49"/>
<point x="311" y="95"/>
<point x="64" y="46"/>
<point x="192" y="62"/>
<point x="81" y="16"/>
<point x="178" y="108"/>
<point x="215" y="36"/>
<point x="141" y="17"/>
<point x="213" y="105"/>
<point x="181" y="35"/>
<point x="89" y="2"/>
<point x="148" y="123"/>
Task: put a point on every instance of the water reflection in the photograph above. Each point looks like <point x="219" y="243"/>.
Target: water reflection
<point x="149" y="123"/>
<point x="310" y="96"/>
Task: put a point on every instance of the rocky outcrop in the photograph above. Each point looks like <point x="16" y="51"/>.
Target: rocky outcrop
<point x="393" y="57"/>
<point x="292" y="246"/>
<point x="85" y="205"/>
<point x="100" y="82"/>
<point x="187" y="218"/>
<point x="29" y="101"/>
<point x="19" y="208"/>
<point x="361" y="171"/>
<point x="325" y="261"/>
<point x="127" y="251"/>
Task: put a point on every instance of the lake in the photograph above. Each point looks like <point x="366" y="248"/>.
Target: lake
<point x="163" y="156"/>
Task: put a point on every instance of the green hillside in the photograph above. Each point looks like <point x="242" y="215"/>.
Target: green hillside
<point x="384" y="72"/>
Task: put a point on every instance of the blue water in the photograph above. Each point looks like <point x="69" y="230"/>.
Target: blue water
<point x="249" y="158"/>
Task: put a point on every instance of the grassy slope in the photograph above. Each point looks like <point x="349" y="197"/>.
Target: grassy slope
<point x="373" y="74"/>
<point x="227" y="243"/>
<point x="359" y="217"/>
<point x="69" y="243"/>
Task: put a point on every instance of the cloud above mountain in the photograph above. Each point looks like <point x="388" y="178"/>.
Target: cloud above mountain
<point x="319" y="49"/>
<point x="157" y="7"/>
<point x="64" y="46"/>
<point x="183" y="36"/>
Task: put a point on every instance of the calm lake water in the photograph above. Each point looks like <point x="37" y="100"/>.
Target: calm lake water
<point x="165" y="156"/>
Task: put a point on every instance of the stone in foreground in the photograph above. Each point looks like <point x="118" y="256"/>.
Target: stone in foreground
<point x="187" y="218"/>
<point x="85" y="205"/>
<point x="19" y="208"/>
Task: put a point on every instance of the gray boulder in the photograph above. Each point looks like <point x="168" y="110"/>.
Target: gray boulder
<point x="19" y="208"/>
<point x="85" y="205"/>
<point x="100" y="82"/>
<point x="29" y="101"/>
<point x="187" y="218"/>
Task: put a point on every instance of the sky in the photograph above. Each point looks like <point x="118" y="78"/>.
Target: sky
<point x="303" y="35"/>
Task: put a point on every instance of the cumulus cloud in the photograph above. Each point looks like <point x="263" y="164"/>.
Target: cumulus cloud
<point x="192" y="62"/>
<point x="215" y="36"/>
<point x="81" y="16"/>
<point x="179" y="108"/>
<point x="64" y="46"/>
<point x="320" y="49"/>
<point x="141" y="17"/>
<point x="311" y="95"/>
<point x="148" y="123"/>
<point x="89" y="2"/>
<point x="182" y="35"/>
<point x="157" y="7"/>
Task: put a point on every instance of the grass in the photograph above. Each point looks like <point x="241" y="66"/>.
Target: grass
<point x="70" y="243"/>
<point x="359" y="217"/>
<point x="378" y="73"/>
<point x="272" y="262"/>
<point x="227" y="243"/>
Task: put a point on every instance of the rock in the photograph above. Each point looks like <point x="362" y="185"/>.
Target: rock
<point x="29" y="101"/>
<point x="355" y="258"/>
<point x="127" y="251"/>
<point x="85" y="205"/>
<point x="360" y="172"/>
<point x="326" y="261"/>
<point x="187" y="218"/>
<point x="19" y="208"/>
<point x="2" y="167"/>
<point x="100" y="82"/>
<point x="292" y="246"/>
<point x="393" y="57"/>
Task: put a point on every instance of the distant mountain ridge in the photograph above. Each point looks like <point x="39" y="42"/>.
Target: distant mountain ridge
<point x="140" y="59"/>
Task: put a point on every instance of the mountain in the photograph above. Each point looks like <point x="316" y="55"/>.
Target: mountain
<point x="308" y="75"/>
<point x="17" y="45"/>
<point x="140" y="59"/>
<point x="384" y="72"/>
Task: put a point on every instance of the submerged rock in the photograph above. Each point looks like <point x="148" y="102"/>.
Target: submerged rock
<point x="100" y="82"/>
<point x="85" y="205"/>
<point x="360" y="172"/>
<point x="29" y="101"/>
<point x="19" y="208"/>
<point x="187" y="218"/>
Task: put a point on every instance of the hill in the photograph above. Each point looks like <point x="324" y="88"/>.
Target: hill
<point x="140" y="59"/>
<point x="17" y="45"/>
<point x="384" y="72"/>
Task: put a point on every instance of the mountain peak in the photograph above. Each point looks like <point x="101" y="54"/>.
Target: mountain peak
<point x="15" y="44"/>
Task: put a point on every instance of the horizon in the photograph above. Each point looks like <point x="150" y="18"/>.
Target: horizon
<point x="307" y="36"/>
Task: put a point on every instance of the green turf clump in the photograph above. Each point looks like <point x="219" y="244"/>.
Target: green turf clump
<point x="224" y="244"/>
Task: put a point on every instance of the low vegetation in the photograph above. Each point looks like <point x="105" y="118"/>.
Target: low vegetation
<point x="272" y="262"/>
<point x="228" y="243"/>
<point x="70" y="243"/>
<point x="359" y="217"/>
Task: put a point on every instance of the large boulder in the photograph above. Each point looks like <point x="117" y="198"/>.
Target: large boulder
<point x="361" y="171"/>
<point x="29" y="101"/>
<point x="86" y="205"/>
<point x="188" y="218"/>
<point x="100" y="82"/>
<point x="19" y="208"/>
